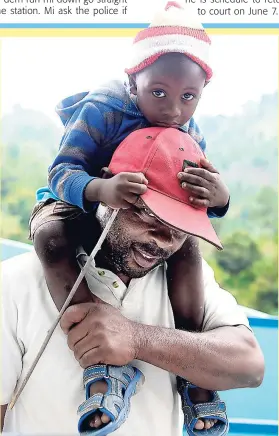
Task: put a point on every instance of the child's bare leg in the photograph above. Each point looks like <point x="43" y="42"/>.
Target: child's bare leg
<point x="56" y="250"/>
<point x="185" y="284"/>
<point x="186" y="292"/>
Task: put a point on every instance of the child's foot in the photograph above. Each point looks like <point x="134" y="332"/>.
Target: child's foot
<point x="108" y="392"/>
<point x="98" y="418"/>
<point x="197" y="396"/>
<point x="203" y="410"/>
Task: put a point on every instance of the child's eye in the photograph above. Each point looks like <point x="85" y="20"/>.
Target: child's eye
<point x="188" y="96"/>
<point x="158" y="93"/>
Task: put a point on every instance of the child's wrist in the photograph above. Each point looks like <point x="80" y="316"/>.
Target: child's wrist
<point x="224" y="202"/>
<point x="93" y="191"/>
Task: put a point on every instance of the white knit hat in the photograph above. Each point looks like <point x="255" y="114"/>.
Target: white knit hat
<point x="172" y="30"/>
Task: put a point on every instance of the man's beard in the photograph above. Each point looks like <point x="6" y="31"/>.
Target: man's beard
<point x="118" y="257"/>
<point x="116" y="252"/>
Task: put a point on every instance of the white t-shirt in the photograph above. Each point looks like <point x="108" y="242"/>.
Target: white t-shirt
<point x="49" y="401"/>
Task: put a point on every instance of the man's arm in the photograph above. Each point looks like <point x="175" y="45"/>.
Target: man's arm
<point x="220" y="359"/>
<point x="12" y="347"/>
<point x="224" y="358"/>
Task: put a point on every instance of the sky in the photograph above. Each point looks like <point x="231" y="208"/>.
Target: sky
<point x="38" y="72"/>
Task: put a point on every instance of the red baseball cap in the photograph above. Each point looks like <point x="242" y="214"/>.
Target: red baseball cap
<point x="160" y="154"/>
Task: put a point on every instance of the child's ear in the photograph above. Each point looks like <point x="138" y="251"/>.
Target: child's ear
<point x="133" y="85"/>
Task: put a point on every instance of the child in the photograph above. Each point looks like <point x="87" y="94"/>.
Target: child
<point x="167" y="75"/>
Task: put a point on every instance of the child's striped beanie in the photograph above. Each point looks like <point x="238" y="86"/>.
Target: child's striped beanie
<point x="172" y="30"/>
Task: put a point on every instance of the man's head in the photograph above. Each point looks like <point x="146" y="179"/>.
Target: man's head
<point x="169" y="66"/>
<point x="168" y="91"/>
<point x="137" y="240"/>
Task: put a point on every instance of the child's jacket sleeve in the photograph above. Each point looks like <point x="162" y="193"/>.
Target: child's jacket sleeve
<point x="72" y="168"/>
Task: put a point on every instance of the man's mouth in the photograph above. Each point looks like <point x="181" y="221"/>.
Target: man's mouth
<point x="144" y="259"/>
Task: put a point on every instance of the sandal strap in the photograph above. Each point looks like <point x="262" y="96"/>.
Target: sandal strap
<point x="203" y="410"/>
<point x="109" y="403"/>
<point x="92" y="403"/>
<point x="124" y="374"/>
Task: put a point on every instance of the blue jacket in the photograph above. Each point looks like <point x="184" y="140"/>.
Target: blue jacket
<point x="95" y="124"/>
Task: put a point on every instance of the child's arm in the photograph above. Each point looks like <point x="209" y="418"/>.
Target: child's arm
<point x="76" y="164"/>
<point x="73" y="177"/>
<point x="119" y="191"/>
<point x="215" y="211"/>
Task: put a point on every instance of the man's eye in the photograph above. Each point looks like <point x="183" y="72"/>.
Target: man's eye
<point x="158" y="93"/>
<point x="144" y="213"/>
<point x="187" y="96"/>
<point x="148" y="212"/>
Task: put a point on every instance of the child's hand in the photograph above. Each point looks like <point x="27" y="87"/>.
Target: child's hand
<point x="122" y="190"/>
<point x="205" y="185"/>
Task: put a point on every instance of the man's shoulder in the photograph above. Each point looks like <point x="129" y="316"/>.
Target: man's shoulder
<point x="20" y="261"/>
<point x="207" y="270"/>
<point x="211" y="286"/>
<point x="21" y="274"/>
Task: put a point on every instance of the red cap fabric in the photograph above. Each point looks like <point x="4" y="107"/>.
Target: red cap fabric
<point x="160" y="154"/>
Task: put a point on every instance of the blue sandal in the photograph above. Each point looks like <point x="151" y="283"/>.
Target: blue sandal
<point x="214" y="409"/>
<point x="123" y="382"/>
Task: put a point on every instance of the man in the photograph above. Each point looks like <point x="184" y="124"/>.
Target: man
<point x="136" y="325"/>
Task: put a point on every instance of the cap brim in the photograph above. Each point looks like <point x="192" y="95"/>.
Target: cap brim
<point x="181" y="216"/>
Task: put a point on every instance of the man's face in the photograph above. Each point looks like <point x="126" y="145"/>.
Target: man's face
<point x="169" y="90"/>
<point x="137" y="241"/>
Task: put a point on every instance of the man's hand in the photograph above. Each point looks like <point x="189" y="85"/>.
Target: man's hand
<point x="205" y="185"/>
<point x="99" y="333"/>
<point x="220" y="359"/>
<point x="120" y="191"/>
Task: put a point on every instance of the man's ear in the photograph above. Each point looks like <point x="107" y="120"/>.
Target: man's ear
<point x="133" y="85"/>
